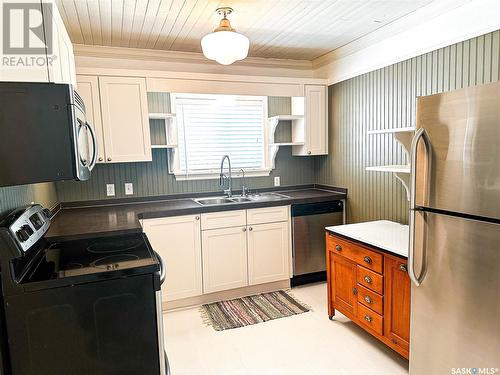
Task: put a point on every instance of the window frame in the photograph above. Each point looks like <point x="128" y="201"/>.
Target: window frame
<point x="173" y="154"/>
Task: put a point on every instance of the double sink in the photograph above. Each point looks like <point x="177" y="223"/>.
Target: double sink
<point x="262" y="197"/>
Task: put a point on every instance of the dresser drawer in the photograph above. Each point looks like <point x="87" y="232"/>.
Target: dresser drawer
<point x="224" y="219"/>
<point x="268" y="215"/>
<point x="370" y="319"/>
<point x="359" y="254"/>
<point x="370" y="299"/>
<point x="370" y="279"/>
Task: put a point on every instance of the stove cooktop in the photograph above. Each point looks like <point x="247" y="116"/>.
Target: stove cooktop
<point x="65" y="259"/>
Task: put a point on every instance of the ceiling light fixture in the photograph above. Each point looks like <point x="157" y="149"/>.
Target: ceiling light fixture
<point x="225" y="45"/>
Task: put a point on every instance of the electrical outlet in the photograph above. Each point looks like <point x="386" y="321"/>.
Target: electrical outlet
<point x="129" y="188"/>
<point x="110" y="190"/>
<point x="277" y="181"/>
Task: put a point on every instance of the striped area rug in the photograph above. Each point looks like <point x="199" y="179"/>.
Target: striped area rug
<point x="241" y="312"/>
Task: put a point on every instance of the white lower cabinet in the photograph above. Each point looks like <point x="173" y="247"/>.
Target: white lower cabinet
<point x="268" y="252"/>
<point x="178" y="241"/>
<point x="224" y="259"/>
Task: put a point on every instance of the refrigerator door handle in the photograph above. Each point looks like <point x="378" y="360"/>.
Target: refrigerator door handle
<point x="420" y="134"/>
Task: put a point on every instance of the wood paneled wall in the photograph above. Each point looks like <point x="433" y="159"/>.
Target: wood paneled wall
<point x="385" y="98"/>
<point x="152" y="178"/>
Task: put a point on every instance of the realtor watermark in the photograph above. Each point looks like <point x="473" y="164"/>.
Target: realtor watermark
<point x="474" y="370"/>
<point x="27" y="35"/>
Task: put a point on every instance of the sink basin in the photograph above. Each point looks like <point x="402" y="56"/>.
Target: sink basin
<point x="241" y="199"/>
<point x="268" y="197"/>
<point x="213" y="201"/>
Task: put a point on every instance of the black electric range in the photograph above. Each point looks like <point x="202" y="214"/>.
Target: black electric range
<point x="87" y="306"/>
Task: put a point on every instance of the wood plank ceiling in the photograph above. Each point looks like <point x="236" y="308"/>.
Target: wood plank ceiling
<point x="290" y="29"/>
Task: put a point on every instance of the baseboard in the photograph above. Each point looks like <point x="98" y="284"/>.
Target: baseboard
<point x="226" y="294"/>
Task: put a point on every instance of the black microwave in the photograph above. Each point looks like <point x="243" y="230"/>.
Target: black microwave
<point x="44" y="135"/>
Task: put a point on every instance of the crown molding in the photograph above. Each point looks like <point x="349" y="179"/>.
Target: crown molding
<point x="446" y="22"/>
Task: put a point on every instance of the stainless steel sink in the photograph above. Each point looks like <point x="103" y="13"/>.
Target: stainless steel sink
<point x="213" y="201"/>
<point x="262" y="197"/>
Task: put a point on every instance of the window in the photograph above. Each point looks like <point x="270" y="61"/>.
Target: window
<point x="211" y="126"/>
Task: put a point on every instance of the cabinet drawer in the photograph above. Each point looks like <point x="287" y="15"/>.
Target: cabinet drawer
<point x="225" y="219"/>
<point x="359" y="254"/>
<point x="370" y="319"/>
<point x="268" y="215"/>
<point x="370" y="279"/>
<point x="370" y="299"/>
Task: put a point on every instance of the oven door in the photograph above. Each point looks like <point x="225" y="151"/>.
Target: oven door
<point x="85" y="145"/>
<point x="164" y="364"/>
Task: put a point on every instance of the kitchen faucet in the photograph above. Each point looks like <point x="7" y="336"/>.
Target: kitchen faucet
<point x="228" y="191"/>
<point x="244" y="187"/>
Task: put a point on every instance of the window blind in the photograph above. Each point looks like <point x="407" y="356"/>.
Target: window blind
<point x="211" y="126"/>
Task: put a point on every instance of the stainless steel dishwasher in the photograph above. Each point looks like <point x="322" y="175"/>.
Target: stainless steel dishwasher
<point x="308" y="227"/>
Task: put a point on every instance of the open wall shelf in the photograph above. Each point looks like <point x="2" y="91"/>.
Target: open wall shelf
<point x="403" y="136"/>
<point x="297" y="131"/>
<point x="170" y="130"/>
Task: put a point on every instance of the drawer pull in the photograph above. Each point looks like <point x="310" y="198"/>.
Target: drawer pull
<point x="368" y="299"/>
<point x="368" y="279"/>
<point x="338" y="248"/>
<point x="403" y="268"/>
<point x="367" y="259"/>
<point x="368" y="318"/>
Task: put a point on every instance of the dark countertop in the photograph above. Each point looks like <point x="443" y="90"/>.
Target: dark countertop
<point x="101" y="218"/>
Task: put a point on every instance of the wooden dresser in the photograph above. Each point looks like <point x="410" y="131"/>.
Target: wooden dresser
<point x="369" y="283"/>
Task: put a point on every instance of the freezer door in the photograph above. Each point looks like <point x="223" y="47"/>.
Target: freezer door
<point x="455" y="312"/>
<point x="464" y="131"/>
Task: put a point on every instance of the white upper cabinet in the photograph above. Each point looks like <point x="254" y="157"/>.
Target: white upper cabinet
<point x="125" y="119"/>
<point x="178" y="241"/>
<point x="315" y="122"/>
<point x="88" y="88"/>
<point x="47" y="56"/>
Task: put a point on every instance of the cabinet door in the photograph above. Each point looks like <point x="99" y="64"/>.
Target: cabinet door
<point x="224" y="259"/>
<point x="178" y="241"/>
<point x="316" y="119"/>
<point x="268" y="252"/>
<point x="343" y="285"/>
<point x="397" y="302"/>
<point x="88" y="88"/>
<point x="125" y="119"/>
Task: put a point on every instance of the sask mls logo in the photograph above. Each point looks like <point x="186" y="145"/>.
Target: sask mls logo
<point x="24" y="29"/>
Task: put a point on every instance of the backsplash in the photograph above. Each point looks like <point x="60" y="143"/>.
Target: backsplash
<point x="152" y="178"/>
<point x="15" y="196"/>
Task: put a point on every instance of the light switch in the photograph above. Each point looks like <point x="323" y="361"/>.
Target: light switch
<point x="129" y="188"/>
<point x="110" y="190"/>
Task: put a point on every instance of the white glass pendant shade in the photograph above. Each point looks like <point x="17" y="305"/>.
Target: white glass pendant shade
<point x="225" y="47"/>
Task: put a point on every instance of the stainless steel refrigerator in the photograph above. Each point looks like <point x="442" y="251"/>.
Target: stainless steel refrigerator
<point x="454" y="260"/>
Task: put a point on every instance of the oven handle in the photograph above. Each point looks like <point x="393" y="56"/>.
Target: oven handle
<point x="163" y="271"/>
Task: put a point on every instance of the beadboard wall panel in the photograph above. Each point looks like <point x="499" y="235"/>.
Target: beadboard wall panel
<point x="386" y="98"/>
<point x="15" y="196"/>
<point x="152" y="178"/>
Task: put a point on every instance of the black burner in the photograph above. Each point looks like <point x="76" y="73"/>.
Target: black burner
<point x="114" y="246"/>
<point x="113" y="261"/>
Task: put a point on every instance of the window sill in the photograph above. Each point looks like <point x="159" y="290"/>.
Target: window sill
<point x="216" y="175"/>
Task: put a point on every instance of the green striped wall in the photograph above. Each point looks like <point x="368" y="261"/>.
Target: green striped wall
<point x="15" y="196"/>
<point x="152" y="178"/>
<point x="385" y="98"/>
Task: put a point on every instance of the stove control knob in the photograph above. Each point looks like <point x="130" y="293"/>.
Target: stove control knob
<point x="46" y="213"/>
<point x="22" y="235"/>
<point x="28" y="229"/>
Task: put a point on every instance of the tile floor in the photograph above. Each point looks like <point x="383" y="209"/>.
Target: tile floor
<point x="303" y="344"/>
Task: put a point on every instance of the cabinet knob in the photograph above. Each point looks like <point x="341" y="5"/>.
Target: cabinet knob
<point x="244" y="229"/>
<point x="197" y="218"/>
<point x="338" y="248"/>
<point x="109" y="159"/>
<point x="367" y="259"/>
<point x="403" y="268"/>
<point x="100" y="159"/>
<point x="368" y="318"/>
<point x="354" y="290"/>
<point x="250" y="229"/>
<point x="368" y="279"/>
<point x="368" y="299"/>
<point x="308" y="152"/>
